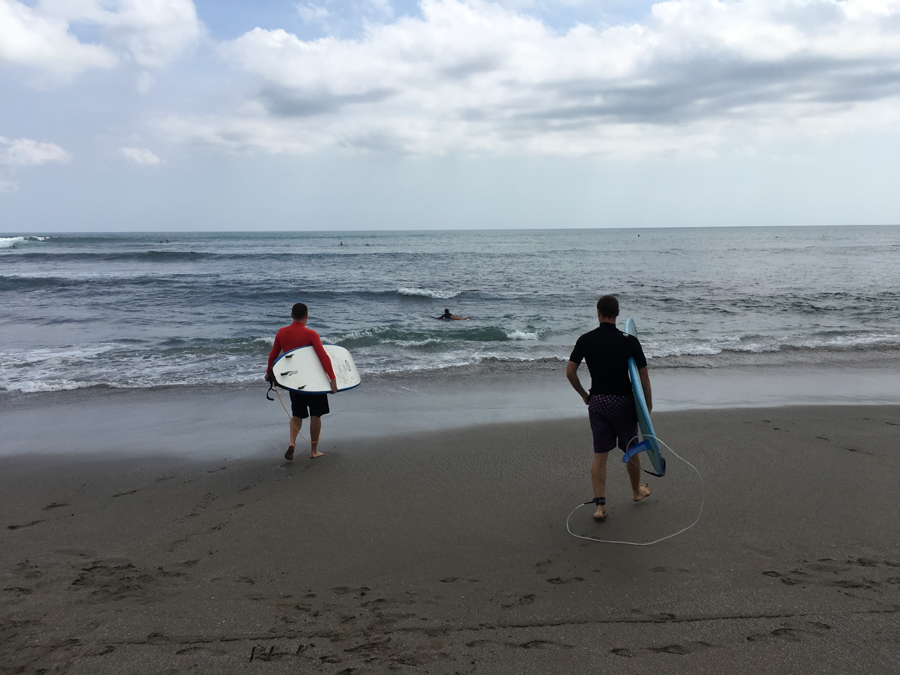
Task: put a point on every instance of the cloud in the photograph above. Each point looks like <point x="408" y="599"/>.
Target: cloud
<point x="41" y="41"/>
<point x="19" y="152"/>
<point x="481" y="78"/>
<point x="152" y="32"/>
<point x="141" y="156"/>
<point x="16" y="153"/>
<point x="313" y="13"/>
<point x="40" y="37"/>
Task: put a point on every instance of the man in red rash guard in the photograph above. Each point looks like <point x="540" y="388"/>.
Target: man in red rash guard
<point x="303" y="405"/>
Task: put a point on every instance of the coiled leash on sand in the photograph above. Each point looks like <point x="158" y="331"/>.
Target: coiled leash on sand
<point x="274" y="387"/>
<point x="601" y="501"/>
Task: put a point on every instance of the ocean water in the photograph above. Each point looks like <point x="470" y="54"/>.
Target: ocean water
<point x="150" y="310"/>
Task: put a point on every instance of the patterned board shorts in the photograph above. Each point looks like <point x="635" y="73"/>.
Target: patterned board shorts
<point x="613" y="421"/>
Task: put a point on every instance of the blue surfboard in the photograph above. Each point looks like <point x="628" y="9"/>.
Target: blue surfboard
<point x="648" y="442"/>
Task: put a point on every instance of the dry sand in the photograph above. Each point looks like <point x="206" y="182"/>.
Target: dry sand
<point x="447" y="553"/>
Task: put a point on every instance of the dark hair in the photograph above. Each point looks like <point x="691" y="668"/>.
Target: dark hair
<point x="608" y="307"/>
<point x="299" y="311"/>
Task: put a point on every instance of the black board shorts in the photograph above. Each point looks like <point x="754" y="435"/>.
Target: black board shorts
<point x="317" y="404"/>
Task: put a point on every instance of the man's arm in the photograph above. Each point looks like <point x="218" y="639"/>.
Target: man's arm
<point x="645" y="385"/>
<point x="326" y="361"/>
<point x="572" y="376"/>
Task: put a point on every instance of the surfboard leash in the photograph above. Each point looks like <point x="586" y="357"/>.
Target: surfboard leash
<point x="655" y="541"/>
<point x="272" y="388"/>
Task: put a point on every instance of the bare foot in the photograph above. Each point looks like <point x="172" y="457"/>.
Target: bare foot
<point x="600" y="514"/>
<point x="643" y="491"/>
<point x="289" y="455"/>
<point x="315" y="454"/>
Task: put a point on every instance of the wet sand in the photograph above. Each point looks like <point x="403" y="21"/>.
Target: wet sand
<point x="447" y="552"/>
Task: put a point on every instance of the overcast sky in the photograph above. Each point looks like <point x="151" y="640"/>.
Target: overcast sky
<point x="393" y="114"/>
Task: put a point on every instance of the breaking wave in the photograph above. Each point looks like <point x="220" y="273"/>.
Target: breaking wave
<point x="426" y="293"/>
<point x="13" y="242"/>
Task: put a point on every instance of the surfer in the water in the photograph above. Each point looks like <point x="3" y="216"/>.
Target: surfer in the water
<point x="611" y="401"/>
<point x="451" y="317"/>
<point x="303" y="405"/>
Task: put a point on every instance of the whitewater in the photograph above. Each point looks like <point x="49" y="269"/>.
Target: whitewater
<point x="151" y="310"/>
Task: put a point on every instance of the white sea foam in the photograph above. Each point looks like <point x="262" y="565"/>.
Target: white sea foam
<point x="59" y="354"/>
<point x="851" y="341"/>
<point x="521" y="335"/>
<point x="39" y="386"/>
<point x="12" y="242"/>
<point x="652" y="351"/>
<point x="754" y="348"/>
<point x="413" y="343"/>
<point x="426" y="293"/>
<point x="357" y="334"/>
<point x="717" y="346"/>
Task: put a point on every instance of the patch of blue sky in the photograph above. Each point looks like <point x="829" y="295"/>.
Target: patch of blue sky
<point x="313" y="19"/>
<point x="307" y="19"/>
<point x="563" y="15"/>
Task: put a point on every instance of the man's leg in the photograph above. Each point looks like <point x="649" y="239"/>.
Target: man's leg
<point x="296" y="424"/>
<point x="598" y="480"/>
<point x="315" y="426"/>
<point x="638" y="491"/>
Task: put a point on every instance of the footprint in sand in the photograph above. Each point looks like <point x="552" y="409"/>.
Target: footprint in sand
<point x="23" y="525"/>
<point x="521" y="602"/>
<point x="792" y="634"/>
<point x="678" y="649"/>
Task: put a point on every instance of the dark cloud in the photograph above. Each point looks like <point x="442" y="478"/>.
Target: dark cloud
<point x="705" y="89"/>
<point x="289" y="103"/>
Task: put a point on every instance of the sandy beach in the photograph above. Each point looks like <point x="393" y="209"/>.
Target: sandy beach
<point x="446" y="551"/>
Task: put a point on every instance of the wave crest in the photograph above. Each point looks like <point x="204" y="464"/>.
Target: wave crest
<point x="12" y="242"/>
<point x="426" y="293"/>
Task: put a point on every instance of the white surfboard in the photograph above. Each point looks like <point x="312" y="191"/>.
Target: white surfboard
<point x="301" y="370"/>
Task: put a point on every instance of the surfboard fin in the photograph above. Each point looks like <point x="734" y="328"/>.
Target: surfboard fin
<point x="635" y="449"/>
<point x="640" y="447"/>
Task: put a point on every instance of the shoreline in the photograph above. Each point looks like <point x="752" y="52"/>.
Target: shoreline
<point x="238" y="421"/>
<point x="867" y="359"/>
<point x="447" y="553"/>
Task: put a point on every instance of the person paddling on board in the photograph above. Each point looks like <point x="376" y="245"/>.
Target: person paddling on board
<point x="303" y="405"/>
<point x="610" y="401"/>
<point x="451" y="317"/>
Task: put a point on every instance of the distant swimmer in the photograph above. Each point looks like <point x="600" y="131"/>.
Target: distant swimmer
<point x="303" y="405"/>
<point x="451" y="317"/>
<point x="611" y="401"/>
